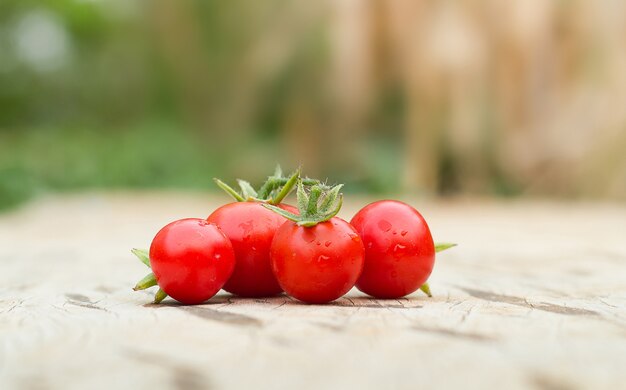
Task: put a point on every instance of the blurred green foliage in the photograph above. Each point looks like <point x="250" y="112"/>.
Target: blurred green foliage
<point x="154" y="95"/>
<point x="32" y="163"/>
<point x="431" y="97"/>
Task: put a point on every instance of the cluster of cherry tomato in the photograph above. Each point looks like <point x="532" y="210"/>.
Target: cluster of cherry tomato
<point x="260" y="247"/>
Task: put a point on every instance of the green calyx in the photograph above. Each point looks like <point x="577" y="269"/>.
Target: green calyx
<point x="273" y="191"/>
<point x="439" y="247"/>
<point x="320" y="204"/>
<point x="426" y="290"/>
<point x="442" y="246"/>
<point x="148" y="280"/>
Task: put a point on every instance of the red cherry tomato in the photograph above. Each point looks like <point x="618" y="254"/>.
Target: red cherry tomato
<point x="191" y="260"/>
<point x="317" y="264"/>
<point x="399" y="249"/>
<point x="250" y="228"/>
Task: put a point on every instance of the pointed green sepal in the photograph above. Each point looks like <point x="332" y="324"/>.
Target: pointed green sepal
<point x="160" y="296"/>
<point x="328" y="214"/>
<point x="246" y="190"/>
<point x="314" y="195"/>
<point x="142" y="255"/>
<point x="229" y="190"/>
<point x="147" y="282"/>
<point x="302" y="198"/>
<point x="330" y="198"/>
<point x="290" y="216"/>
<point x="442" y="246"/>
<point x="426" y="289"/>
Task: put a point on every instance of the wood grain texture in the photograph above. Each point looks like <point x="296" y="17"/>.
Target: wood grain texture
<point x="534" y="297"/>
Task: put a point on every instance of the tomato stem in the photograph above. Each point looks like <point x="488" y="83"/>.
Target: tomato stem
<point x="314" y="196"/>
<point x="287" y="187"/>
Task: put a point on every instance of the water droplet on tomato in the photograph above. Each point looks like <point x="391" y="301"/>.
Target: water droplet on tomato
<point x="384" y="225"/>
<point x="399" y="247"/>
<point x="323" y="258"/>
<point x="253" y="248"/>
<point x="370" y="245"/>
<point x="327" y="244"/>
<point x="403" y="233"/>
<point x="394" y="232"/>
<point x="217" y="256"/>
<point x="318" y="243"/>
<point x="354" y="237"/>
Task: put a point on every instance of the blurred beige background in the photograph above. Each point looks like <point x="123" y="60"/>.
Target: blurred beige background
<point x="480" y="98"/>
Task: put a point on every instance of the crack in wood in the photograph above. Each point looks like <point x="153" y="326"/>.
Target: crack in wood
<point x="78" y="297"/>
<point x="370" y="303"/>
<point x="82" y="301"/>
<point x="608" y="304"/>
<point x="12" y="305"/>
<point x="86" y="305"/>
<point x="280" y="305"/>
<point x="572" y="311"/>
<point x="449" y="332"/>
<point x="221" y="316"/>
<point x="523" y="302"/>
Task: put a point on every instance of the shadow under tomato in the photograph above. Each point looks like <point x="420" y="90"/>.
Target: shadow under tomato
<point x="224" y="300"/>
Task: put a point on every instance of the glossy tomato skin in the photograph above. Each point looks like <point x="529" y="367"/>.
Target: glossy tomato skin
<point x="191" y="260"/>
<point x="250" y="228"/>
<point x="399" y="249"/>
<point x="317" y="264"/>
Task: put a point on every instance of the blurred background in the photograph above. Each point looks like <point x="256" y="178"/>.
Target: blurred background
<point x="445" y="98"/>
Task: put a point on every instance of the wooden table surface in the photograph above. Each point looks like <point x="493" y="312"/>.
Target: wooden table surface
<point x="534" y="297"/>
